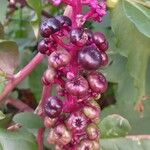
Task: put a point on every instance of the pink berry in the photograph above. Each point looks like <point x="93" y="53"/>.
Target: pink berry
<point x="64" y="135"/>
<point x="100" y="41"/>
<point x="104" y="59"/>
<point x="92" y="131"/>
<point x="59" y="58"/>
<point x="77" y="87"/>
<point x="49" y="76"/>
<point x="97" y="82"/>
<point x="77" y="121"/>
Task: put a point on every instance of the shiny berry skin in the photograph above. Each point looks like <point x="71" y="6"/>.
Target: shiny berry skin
<point x="100" y="41"/>
<point x="59" y="58"/>
<point x="50" y="26"/>
<point x="89" y="35"/>
<point x="49" y="76"/>
<point x="104" y="59"/>
<point x="53" y="107"/>
<point x="77" y="121"/>
<point x="97" y="82"/>
<point x="42" y="47"/>
<point x="89" y="58"/>
<point x="64" y="20"/>
<point x="77" y="87"/>
<point x="77" y="38"/>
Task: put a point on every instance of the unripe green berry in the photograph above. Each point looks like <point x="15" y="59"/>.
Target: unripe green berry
<point x="112" y="3"/>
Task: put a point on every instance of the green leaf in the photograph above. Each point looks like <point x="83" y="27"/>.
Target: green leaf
<point x="9" y="56"/>
<point x="139" y="15"/>
<point x="17" y="141"/>
<point x="6" y="121"/>
<point x="134" y="143"/>
<point x="114" y="126"/>
<point x="2" y="116"/>
<point x="135" y="47"/>
<point x="29" y="120"/>
<point x="3" y="81"/>
<point x="36" y="5"/>
<point x="138" y="121"/>
<point x="3" y="4"/>
<point x="35" y="80"/>
<point x="117" y="73"/>
<point x="35" y="26"/>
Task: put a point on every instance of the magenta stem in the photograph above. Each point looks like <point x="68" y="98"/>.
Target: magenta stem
<point x="45" y="94"/>
<point x="39" y="110"/>
<point x="40" y="138"/>
<point x="18" y="104"/>
<point x="17" y="78"/>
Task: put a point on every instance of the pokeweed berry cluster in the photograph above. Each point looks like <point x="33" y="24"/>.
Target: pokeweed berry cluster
<point x="74" y="55"/>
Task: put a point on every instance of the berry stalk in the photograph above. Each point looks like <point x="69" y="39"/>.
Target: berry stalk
<point x="17" y="78"/>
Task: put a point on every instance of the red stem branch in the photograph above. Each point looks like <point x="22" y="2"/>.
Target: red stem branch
<point x="19" y="104"/>
<point x="45" y="93"/>
<point x="39" y="110"/>
<point x="21" y="75"/>
<point x="40" y="138"/>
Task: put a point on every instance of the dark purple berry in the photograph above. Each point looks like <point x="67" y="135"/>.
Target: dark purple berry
<point x="53" y="107"/>
<point x="59" y="58"/>
<point x="64" y="20"/>
<point x="49" y="26"/>
<point x="77" y="38"/>
<point x="89" y="58"/>
<point x="100" y="41"/>
<point x="77" y="87"/>
<point x="43" y="47"/>
<point x="88" y="34"/>
<point x="97" y="82"/>
<point x="104" y="59"/>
